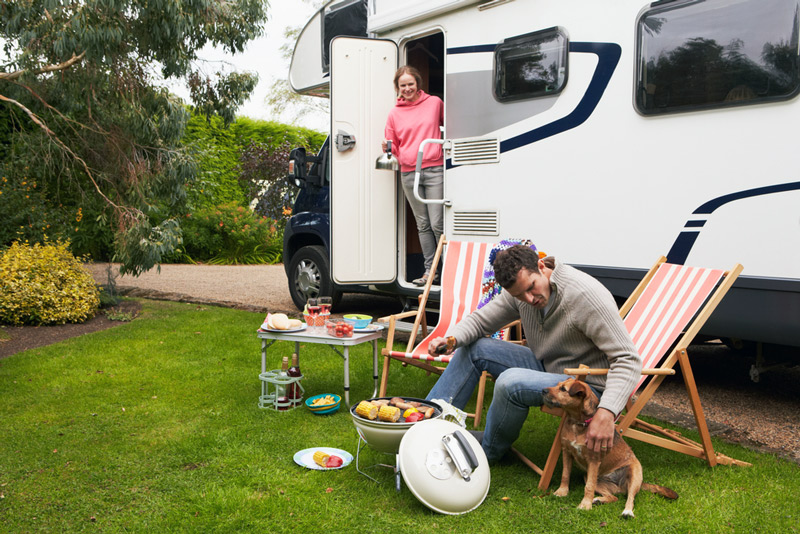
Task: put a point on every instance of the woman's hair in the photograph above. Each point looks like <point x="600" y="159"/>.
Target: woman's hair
<point x="405" y="69"/>
<point x="511" y="261"/>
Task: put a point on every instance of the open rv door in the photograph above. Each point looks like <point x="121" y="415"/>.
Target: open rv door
<point x="363" y="200"/>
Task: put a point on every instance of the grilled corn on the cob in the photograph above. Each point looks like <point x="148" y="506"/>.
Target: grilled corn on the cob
<point x="389" y="413"/>
<point x="321" y="459"/>
<point x="367" y="410"/>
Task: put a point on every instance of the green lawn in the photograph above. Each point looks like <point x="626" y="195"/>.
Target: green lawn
<point x="153" y="426"/>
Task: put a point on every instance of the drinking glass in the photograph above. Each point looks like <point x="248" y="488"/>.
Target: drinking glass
<point x="313" y="309"/>
<point x="325" y="304"/>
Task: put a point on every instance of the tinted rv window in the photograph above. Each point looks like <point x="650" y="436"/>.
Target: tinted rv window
<point x="531" y="65"/>
<point x="715" y="53"/>
<point x="345" y="18"/>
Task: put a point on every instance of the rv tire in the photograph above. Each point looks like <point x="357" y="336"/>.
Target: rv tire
<point x="310" y="276"/>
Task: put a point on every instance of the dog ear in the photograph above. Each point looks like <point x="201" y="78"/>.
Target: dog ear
<point x="577" y="389"/>
<point x="589" y="406"/>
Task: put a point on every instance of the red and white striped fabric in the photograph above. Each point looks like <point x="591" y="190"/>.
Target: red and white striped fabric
<point x="665" y="307"/>
<point x="461" y="281"/>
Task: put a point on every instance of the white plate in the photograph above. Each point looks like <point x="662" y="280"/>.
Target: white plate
<point x="305" y="458"/>
<point x="298" y="329"/>
<point x="372" y="327"/>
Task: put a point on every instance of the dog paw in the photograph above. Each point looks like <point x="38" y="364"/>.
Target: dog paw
<point x="585" y="505"/>
<point x="561" y="492"/>
<point x="627" y="514"/>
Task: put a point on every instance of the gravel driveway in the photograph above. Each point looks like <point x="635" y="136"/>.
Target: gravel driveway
<point x="759" y="415"/>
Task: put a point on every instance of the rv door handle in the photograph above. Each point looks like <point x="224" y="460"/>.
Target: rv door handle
<point x="445" y="144"/>
<point x="344" y="141"/>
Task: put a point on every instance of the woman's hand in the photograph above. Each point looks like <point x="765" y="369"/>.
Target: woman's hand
<point x="383" y="145"/>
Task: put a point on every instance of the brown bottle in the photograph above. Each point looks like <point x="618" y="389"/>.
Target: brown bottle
<point x="294" y="392"/>
<point x="281" y="394"/>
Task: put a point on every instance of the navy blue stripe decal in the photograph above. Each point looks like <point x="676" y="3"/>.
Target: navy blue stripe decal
<point x="712" y="205"/>
<point x="475" y="49"/>
<point x="608" y="56"/>
<point x="685" y="241"/>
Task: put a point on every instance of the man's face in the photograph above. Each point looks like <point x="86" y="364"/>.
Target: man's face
<point x="531" y="287"/>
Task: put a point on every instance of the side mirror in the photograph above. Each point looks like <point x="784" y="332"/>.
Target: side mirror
<point x="297" y="166"/>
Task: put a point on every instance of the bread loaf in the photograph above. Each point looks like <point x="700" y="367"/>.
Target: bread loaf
<point x="278" y="321"/>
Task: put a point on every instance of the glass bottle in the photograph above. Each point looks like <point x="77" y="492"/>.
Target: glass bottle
<point x="281" y="398"/>
<point x="295" y="394"/>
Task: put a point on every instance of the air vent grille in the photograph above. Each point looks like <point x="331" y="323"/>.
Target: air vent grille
<point x="475" y="150"/>
<point x="475" y="223"/>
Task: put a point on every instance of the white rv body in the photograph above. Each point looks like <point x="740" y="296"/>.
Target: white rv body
<point x="584" y="173"/>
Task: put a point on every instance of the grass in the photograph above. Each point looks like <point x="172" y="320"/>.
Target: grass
<point x="153" y="426"/>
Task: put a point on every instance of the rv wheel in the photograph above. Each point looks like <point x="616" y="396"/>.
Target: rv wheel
<point x="310" y="276"/>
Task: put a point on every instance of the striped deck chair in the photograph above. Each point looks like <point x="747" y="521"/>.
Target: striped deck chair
<point x="460" y="293"/>
<point x="663" y="315"/>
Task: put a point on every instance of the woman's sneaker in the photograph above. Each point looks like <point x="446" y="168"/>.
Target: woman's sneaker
<point x="422" y="280"/>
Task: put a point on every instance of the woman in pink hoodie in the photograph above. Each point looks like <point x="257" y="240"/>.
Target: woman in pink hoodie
<point x="417" y="116"/>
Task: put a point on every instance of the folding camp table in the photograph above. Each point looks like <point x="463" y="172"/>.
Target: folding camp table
<point x="321" y="337"/>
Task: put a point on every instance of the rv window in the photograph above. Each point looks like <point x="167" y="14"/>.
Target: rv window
<point x="531" y="65"/>
<point x="716" y="53"/>
<point x="345" y="18"/>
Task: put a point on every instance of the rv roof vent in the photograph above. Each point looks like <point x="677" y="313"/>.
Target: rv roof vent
<point x="474" y="150"/>
<point x="475" y="223"/>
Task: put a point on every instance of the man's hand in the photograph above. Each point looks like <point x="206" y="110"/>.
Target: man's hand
<point x="600" y="434"/>
<point x="439" y="343"/>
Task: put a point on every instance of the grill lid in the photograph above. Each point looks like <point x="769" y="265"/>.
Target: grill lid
<point x="444" y="466"/>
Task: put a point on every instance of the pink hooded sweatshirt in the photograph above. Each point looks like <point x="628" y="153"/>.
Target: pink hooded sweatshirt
<point x="411" y="122"/>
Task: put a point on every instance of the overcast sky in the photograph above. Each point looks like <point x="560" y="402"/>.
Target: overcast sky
<point x="264" y="57"/>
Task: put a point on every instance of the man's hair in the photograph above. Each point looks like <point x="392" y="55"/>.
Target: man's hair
<point x="511" y="261"/>
<point x="405" y="69"/>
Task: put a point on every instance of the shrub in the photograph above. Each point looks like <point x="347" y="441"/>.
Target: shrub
<point x="230" y="234"/>
<point x="45" y="284"/>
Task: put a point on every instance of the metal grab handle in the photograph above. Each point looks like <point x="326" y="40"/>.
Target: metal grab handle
<point x="461" y="453"/>
<point x="445" y="143"/>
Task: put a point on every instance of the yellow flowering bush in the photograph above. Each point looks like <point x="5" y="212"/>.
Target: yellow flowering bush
<point x="45" y="284"/>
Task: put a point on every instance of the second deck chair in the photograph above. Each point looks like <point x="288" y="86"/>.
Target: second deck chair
<point x="669" y="301"/>
<point x="461" y="293"/>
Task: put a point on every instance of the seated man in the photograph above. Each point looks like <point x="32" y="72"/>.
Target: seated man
<point x="569" y="318"/>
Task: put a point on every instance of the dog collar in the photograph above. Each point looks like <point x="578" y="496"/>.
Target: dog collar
<point x="586" y="422"/>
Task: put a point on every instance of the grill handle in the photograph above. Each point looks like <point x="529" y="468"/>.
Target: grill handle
<point x="461" y="453"/>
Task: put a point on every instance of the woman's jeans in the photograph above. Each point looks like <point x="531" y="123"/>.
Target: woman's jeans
<point x="519" y="381"/>
<point x="429" y="217"/>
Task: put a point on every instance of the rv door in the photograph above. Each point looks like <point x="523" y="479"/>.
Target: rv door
<point x="363" y="199"/>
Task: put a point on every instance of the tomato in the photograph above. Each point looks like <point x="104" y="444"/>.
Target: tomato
<point x="414" y="417"/>
<point x="334" y="461"/>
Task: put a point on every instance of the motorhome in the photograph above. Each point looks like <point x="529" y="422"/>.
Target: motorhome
<point x="608" y="133"/>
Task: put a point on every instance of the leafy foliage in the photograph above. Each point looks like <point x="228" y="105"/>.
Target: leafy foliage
<point x="82" y="90"/>
<point x="263" y="173"/>
<point x="45" y="284"/>
<point x="231" y="234"/>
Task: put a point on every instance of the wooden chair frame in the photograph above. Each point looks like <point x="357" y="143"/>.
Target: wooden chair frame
<point x="420" y="321"/>
<point x="629" y="424"/>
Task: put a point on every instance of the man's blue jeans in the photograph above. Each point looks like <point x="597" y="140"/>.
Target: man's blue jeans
<point x="519" y="381"/>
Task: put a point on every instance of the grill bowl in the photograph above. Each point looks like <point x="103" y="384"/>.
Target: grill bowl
<point x="382" y="435"/>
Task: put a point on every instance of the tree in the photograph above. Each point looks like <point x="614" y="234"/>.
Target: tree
<point x="91" y="124"/>
<point x="281" y="98"/>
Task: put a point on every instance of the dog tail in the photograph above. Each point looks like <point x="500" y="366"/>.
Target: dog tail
<point x="660" y="490"/>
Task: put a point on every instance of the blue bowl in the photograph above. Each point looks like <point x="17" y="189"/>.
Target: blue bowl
<point x="359" y="321"/>
<point x="324" y="408"/>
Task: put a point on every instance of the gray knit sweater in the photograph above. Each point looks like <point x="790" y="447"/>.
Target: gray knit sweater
<point x="582" y="325"/>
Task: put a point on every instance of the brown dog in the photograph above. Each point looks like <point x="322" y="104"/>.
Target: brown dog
<point x="618" y="472"/>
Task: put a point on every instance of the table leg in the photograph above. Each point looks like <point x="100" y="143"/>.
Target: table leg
<point x="375" y="366"/>
<point x="347" y="376"/>
<point x="263" y="365"/>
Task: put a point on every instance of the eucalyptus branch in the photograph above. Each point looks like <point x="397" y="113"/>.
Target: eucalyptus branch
<point x="124" y="212"/>
<point x="49" y="68"/>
